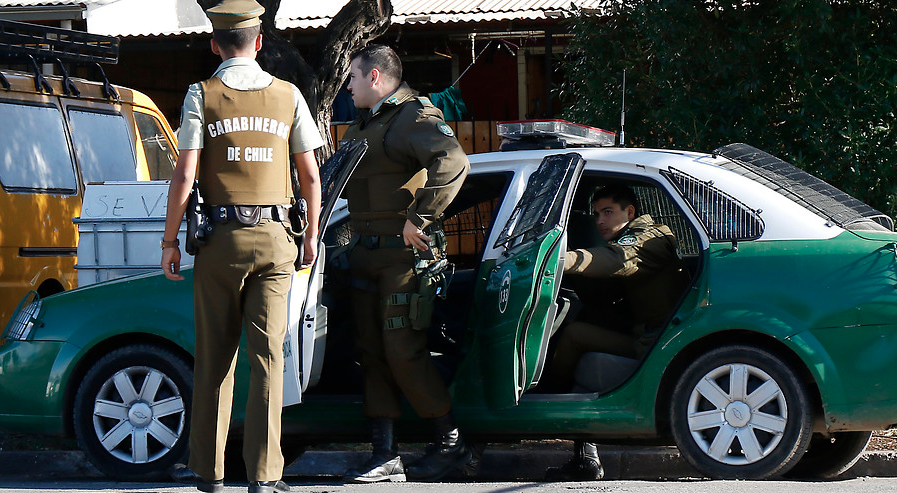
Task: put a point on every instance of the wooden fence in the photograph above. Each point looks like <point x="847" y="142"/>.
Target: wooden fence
<point x="474" y="136"/>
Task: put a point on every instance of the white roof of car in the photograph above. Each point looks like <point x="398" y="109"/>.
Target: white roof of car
<point x="783" y="218"/>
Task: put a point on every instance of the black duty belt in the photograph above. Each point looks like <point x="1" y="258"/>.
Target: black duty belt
<point x="372" y="242"/>
<point x="244" y="214"/>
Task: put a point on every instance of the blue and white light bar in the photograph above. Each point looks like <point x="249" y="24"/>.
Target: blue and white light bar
<point x="572" y="133"/>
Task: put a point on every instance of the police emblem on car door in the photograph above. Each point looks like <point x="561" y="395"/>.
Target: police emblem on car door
<point x="307" y="329"/>
<point x="523" y="285"/>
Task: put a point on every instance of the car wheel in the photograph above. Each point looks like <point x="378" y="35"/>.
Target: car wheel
<point x="131" y="412"/>
<point x="741" y="412"/>
<point x="829" y="456"/>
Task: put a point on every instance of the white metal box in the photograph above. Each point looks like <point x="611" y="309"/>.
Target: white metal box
<point x="119" y="230"/>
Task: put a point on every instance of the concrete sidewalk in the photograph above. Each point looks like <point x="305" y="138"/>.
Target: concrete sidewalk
<point x="499" y="463"/>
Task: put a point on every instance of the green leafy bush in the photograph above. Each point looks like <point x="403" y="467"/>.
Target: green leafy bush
<point x="811" y="81"/>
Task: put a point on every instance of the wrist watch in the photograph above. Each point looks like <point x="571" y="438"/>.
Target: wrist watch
<point x="170" y="244"/>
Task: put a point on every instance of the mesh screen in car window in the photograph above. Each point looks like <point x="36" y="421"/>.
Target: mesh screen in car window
<point x="660" y="207"/>
<point x="724" y="218"/>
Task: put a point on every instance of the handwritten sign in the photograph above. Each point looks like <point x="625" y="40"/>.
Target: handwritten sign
<point x="125" y="200"/>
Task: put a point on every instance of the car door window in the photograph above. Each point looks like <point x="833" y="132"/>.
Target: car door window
<point x="160" y="156"/>
<point x="35" y="153"/>
<point x="538" y="210"/>
<point x="103" y="146"/>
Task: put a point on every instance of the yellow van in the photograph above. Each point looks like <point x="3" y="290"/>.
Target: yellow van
<point x="58" y="133"/>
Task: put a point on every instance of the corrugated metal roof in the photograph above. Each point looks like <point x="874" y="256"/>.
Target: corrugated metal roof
<point x="172" y="17"/>
<point x="41" y="3"/>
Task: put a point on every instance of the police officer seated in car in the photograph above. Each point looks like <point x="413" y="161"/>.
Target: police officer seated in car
<point x="643" y="260"/>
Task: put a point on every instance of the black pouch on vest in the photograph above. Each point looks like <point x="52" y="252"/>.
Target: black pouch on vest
<point x="198" y="225"/>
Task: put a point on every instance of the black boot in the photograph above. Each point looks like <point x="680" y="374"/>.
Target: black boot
<point x="443" y="456"/>
<point x="385" y="463"/>
<point x="584" y="466"/>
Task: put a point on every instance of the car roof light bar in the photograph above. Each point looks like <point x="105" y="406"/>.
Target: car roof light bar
<point x="51" y="43"/>
<point x="572" y="134"/>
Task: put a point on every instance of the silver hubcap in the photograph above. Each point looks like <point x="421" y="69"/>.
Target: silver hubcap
<point x="737" y="414"/>
<point x="138" y="415"/>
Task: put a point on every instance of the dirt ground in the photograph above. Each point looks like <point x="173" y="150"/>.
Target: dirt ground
<point x="883" y="440"/>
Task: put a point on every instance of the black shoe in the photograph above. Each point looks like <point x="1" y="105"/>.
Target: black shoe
<point x="183" y="474"/>
<point x="577" y="469"/>
<point x="444" y="456"/>
<point x="268" y="486"/>
<point x="216" y="486"/>
<point x="377" y="469"/>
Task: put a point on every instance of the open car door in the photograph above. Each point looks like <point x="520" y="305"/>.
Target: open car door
<point x="522" y="288"/>
<point x="306" y="338"/>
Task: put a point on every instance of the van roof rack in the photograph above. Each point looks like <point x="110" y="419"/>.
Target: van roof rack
<point x="53" y="44"/>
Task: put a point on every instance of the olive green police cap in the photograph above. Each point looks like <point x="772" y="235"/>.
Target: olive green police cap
<point x="235" y="14"/>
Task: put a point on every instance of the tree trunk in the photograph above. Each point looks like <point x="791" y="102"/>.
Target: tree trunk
<point x="321" y="77"/>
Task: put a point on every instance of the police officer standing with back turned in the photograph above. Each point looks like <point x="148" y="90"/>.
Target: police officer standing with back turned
<point x="239" y="131"/>
<point x="413" y="169"/>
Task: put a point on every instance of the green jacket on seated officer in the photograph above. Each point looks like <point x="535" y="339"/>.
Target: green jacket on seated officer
<point x="644" y="258"/>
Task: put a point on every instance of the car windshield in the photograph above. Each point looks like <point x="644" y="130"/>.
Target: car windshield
<point x="805" y="189"/>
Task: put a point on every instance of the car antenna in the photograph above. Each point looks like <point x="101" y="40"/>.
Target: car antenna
<point x="623" y="112"/>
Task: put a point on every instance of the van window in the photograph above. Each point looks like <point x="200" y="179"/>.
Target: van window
<point x="103" y="146"/>
<point x="31" y="163"/>
<point x="160" y="159"/>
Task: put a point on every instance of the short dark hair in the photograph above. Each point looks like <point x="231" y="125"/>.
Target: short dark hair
<point x="236" y="38"/>
<point x="380" y="57"/>
<point x="619" y="194"/>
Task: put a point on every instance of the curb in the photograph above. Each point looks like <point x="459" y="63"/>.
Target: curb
<point x="522" y="464"/>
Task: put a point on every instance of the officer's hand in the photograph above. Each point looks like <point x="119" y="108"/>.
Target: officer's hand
<point x="415" y="237"/>
<point x="171" y="264"/>
<point x="309" y="251"/>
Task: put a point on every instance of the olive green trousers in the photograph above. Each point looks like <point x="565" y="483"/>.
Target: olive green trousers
<point x="395" y="361"/>
<point x="241" y="280"/>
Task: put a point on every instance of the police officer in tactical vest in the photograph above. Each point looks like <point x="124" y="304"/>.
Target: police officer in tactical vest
<point x="240" y="130"/>
<point x="413" y="169"/>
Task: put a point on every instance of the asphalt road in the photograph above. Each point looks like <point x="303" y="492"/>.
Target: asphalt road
<point x="859" y="485"/>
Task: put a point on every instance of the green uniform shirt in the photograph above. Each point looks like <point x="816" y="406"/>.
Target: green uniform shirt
<point x="412" y="170"/>
<point x="646" y="257"/>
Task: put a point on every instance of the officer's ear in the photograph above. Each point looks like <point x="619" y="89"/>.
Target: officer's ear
<point x="376" y="77"/>
<point x="630" y="212"/>
<point x="215" y="48"/>
<point x="258" y="43"/>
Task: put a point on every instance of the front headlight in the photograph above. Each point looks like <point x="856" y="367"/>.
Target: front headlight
<point x="19" y="327"/>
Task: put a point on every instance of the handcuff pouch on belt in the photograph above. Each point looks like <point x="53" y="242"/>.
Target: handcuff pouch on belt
<point x="198" y="224"/>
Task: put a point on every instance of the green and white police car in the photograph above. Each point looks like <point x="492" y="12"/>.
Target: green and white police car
<point x="778" y="358"/>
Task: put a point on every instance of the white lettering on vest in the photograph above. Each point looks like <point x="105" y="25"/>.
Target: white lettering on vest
<point x="233" y="154"/>
<point x="258" y="154"/>
<point x="249" y="124"/>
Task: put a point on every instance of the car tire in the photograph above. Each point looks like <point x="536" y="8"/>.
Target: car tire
<point x="829" y="456"/>
<point x="131" y="412"/>
<point x="756" y="433"/>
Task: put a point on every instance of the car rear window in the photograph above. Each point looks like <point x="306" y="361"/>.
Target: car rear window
<point x="34" y="153"/>
<point x="812" y="193"/>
